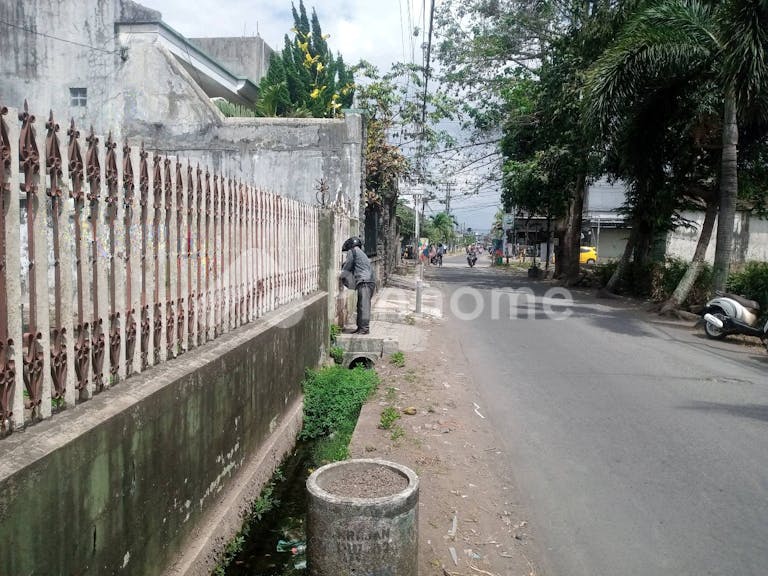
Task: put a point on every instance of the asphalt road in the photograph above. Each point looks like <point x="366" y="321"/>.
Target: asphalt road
<point x="639" y="448"/>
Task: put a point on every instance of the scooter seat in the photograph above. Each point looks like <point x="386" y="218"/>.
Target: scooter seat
<point x="751" y="304"/>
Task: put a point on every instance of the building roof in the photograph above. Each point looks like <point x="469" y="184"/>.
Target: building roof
<point x="213" y="78"/>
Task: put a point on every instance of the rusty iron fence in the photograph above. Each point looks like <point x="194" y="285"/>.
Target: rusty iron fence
<point x="115" y="258"/>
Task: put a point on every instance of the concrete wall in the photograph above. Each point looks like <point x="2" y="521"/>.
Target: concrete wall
<point x="611" y="243"/>
<point x="42" y="69"/>
<point x="750" y="238"/>
<point x="247" y="57"/>
<point x="138" y="89"/>
<point x="122" y="482"/>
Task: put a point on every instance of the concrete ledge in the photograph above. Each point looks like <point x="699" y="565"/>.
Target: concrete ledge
<point x="358" y="347"/>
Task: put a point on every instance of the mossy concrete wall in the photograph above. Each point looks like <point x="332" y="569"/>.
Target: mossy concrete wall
<point x="122" y="483"/>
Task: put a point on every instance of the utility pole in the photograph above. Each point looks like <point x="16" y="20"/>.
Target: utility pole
<point x="419" y="264"/>
<point x="448" y="190"/>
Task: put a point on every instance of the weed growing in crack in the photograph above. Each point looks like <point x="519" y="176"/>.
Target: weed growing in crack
<point x="388" y="417"/>
<point x="398" y="359"/>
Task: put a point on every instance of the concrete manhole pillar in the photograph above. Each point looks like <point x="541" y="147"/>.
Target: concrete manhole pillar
<point x="375" y="534"/>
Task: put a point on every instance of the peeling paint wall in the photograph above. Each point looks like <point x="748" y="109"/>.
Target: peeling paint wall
<point x="117" y="485"/>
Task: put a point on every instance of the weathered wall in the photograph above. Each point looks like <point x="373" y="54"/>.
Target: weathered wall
<point x="611" y="243"/>
<point x="247" y="56"/>
<point x="288" y="156"/>
<point x="119" y="484"/>
<point x="137" y="89"/>
<point x="750" y="238"/>
<point x="42" y="69"/>
<point x="156" y="98"/>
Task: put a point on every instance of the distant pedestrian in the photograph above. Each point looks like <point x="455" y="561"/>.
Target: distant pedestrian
<point x="357" y="273"/>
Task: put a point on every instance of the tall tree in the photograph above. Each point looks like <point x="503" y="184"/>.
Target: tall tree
<point x="490" y="47"/>
<point x="306" y="72"/>
<point x="723" y="42"/>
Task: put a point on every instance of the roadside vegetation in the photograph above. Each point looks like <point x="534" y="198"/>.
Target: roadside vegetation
<point x="667" y="96"/>
<point x="333" y="397"/>
<point x="657" y="281"/>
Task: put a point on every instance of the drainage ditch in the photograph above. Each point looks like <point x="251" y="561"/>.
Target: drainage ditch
<point x="276" y="543"/>
<point x="273" y="542"/>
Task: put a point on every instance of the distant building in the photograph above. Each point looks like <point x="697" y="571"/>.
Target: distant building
<point x="608" y="229"/>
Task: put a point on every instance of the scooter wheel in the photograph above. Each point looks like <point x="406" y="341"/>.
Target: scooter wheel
<point x="713" y="331"/>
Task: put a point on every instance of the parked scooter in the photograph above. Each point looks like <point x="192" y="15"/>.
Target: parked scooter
<point x="731" y="314"/>
<point x="471" y="259"/>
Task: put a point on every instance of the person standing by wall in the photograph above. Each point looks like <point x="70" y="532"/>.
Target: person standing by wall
<point x="357" y="273"/>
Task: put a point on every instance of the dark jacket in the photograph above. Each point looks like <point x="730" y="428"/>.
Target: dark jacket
<point x="359" y="265"/>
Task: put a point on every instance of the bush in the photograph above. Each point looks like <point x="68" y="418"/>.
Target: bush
<point x="667" y="277"/>
<point x="752" y="283"/>
<point x="637" y="279"/>
<point x="337" y="353"/>
<point x="656" y="280"/>
<point x="335" y="331"/>
<point x="333" y="398"/>
<point x="604" y="271"/>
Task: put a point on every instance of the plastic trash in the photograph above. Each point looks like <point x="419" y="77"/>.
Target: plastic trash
<point x="292" y="546"/>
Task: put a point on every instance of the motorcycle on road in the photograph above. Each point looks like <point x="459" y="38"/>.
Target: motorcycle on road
<point x="471" y="259"/>
<point x="728" y="314"/>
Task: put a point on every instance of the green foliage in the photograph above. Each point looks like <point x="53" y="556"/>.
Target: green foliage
<point x="333" y="397"/>
<point x="397" y="433"/>
<point x="656" y="281"/>
<point x="335" y="331"/>
<point x="666" y="277"/>
<point x="406" y="221"/>
<point x="332" y="448"/>
<point x="398" y="359"/>
<point x="231" y="110"/>
<point x="441" y="229"/>
<point x="337" y="353"/>
<point x="388" y="417"/>
<point x="306" y="79"/>
<point x="752" y="283"/>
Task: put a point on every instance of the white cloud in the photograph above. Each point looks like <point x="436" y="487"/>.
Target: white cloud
<point x="364" y="29"/>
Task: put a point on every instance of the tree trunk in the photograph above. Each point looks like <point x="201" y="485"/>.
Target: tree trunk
<point x="560" y="235"/>
<point x="549" y="241"/>
<point x="728" y="193"/>
<point x="570" y="249"/>
<point x="624" y="261"/>
<point x="697" y="263"/>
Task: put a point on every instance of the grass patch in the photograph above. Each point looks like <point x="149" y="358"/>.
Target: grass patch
<point x="388" y="417"/>
<point x="410" y="376"/>
<point x="335" y="331"/>
<point x="337" y="353"/>
<point x="398" y="359"/>
<point x="331" y="448"/>
<point x="397" y="433"/>
<point x="333" y="397"/>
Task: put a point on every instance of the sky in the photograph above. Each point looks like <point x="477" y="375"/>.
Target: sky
<point x="379" y="31"/>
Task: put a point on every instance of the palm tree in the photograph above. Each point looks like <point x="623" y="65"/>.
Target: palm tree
<point x="720" y="41"/>
<point x="442" y="225"/>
